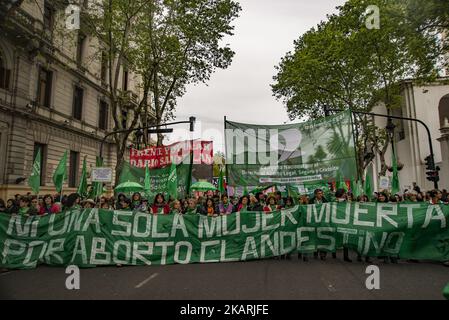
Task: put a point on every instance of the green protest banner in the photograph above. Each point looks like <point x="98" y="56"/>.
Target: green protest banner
<point x="290" y="154"/>
<point x="158" y="179"/>
<point x="93" y="237"/>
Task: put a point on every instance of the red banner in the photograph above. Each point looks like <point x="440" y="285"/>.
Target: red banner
<point x="179" y="152"/>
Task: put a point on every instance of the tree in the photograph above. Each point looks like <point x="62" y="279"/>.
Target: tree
<point x="179" y="43"/>
<point x="167" y="45"/>
<point x="344" y="65"/>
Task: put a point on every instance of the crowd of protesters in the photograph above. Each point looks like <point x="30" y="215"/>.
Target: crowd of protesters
<point x="213" y="205"/>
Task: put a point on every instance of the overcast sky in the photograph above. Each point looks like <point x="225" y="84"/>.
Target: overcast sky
<point x="263" y="34"/>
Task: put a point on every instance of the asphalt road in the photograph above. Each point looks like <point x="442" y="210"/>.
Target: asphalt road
<point x="254" y="280"/>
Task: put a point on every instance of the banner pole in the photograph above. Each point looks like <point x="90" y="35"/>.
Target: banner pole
<point x="226" y="152"/>
<point x="355" y="140"/>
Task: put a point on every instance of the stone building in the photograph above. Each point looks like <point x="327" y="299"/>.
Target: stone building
<point x="53" y="96"/>
<point x="430" y="104"/>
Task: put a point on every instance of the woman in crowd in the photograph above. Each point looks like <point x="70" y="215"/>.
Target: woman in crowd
<point x="34" y="206"/>
<point x="243" y="204"/>
<point x="304" y="199"/>
<point x="209" y="208"/>
<point x="24" y="206"/>
<point x="192" y="207"/>
<point x="271" y="205"/>
<point x="254" y="205"/>
<point x="159" y="205"/>
<point x="72" y="202"/>
<point x="260" y="196"/>
<point x="125" y="204"/>
<point x="49" y="206"/>
<point x="225" y="207"/>
<point x="11" y="207"/>
<point x="382" y="197"/>
<point x="289" y="203"/>
<point x="176" y="207"/>
<point x="136" y="201"/>
<point x="120" y="198"/>
<point x="88" y="204"/>
<point x="105" y="206"/>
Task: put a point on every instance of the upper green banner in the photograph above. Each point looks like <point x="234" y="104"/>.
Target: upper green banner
<point x="290" y="154"/>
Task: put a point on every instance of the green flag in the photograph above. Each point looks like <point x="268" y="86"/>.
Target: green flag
<point x="60" y="174"/>
<point x="368" y="188"/>
<point x="173" y="182"/>
<point x="395" y="188"/>
<point x="82" y="187"/>
<point x="293" y="192"/>
<point x="221" y="187"/>
<point x="356" y="188"/>
<point x="340" y="182"/>
<point x="245" y="191"/>
<point x="34" y="181"/>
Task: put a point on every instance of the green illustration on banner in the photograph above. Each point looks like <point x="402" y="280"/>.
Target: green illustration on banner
<point x="94" y="237"/>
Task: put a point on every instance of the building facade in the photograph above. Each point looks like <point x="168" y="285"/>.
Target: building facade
<point x="53" y="96"/>
<point x="430" y="104"/>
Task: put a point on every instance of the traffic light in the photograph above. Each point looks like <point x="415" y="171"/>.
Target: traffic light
<point x="432" y="172"/>
<point x="430" y="164"/>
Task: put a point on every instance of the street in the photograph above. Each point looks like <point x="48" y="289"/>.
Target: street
<point x="253" y="280"/>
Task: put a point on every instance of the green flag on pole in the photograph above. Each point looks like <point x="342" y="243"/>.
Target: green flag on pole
<point x="356" y="188"/>
<point x="245" y="191"/>
<point x="173" y="182"/>
<point x="340" y="182"/>
<point x="34" y="181"/>
<point x="368" y="188"/>
<point x="82" y="187"/>
<point x="293" y="192"/>
<point x="221" y="187"/>
<point x="395" y="188"/>
<point x="60" y="174"/>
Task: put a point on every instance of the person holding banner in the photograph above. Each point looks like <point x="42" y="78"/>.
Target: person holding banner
<point x="254" y="205"/>
<point x="159" y="205"/>
<point x="136" y="201"/>
<point x="271" y="205"/>
<point x="243" y="204"/>
<point x="176" y="207"/>
<point x="210" y="208"/>
<point x="49" y="206"/>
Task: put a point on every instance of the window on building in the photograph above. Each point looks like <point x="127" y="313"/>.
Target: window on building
<point x="43" y="159"/>
<point x="74" y="168"/>
<point x="104" y="67"/>
<point x="77" y="103"/>
<point x="80" y="47"/>
<point x="125" y="80"/>
<point x="5" y="74"/>
<point x="48" y="16"/>
<point x="103" y="115"/>
<point x="44" y="87"/>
